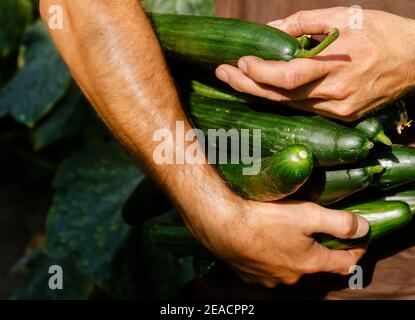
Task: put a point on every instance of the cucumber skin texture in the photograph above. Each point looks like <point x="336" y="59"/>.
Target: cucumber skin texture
<point x="220" y="93"/>
<point x="407" y="196"/>
<point x="329" y="186"/>
<point x="373" y="129"/>
<point x="384" y="217"/>
<point x="399" y="164"/>
<point x="331" y="144"/>
<point x="211" y="41"/>
<point x="281" y="174"/>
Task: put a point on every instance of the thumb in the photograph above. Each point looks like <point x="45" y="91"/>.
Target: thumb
<point x="310" y="22"/>
<point x="340" y="224"/>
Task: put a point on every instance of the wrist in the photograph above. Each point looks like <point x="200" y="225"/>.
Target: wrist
<point x="204" y="201"/>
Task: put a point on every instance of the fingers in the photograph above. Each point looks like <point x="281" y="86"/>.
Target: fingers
<point x="242" y="83"/>
<point x="340" y="224"/>
<point x="287" y="75"/>
<point x="334" y="261"/>
<point x="277" y="81"/>
<point x="308" y="22"/>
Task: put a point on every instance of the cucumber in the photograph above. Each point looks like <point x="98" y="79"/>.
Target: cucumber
<point x="146" y="201"/>
<point x="373" y="129"/>
<point x="219" y="92"/>
<point x="383" y="217"/>
<point x="211" y="41"/>
<point x="329" y="186"/>
<point x="305" y="41"/>
<point x="280" y="175"/>
<point x="407" y="196"/>
<point x="331" y="143"/>
<point x="399" y="164"/>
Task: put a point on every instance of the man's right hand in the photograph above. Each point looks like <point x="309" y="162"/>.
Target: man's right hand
<point x="269" y="243"/>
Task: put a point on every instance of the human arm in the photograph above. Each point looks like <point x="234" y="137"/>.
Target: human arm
<point x="115" y="58"/>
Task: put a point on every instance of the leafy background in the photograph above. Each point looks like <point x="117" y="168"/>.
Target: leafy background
<point x="81" y="174"/>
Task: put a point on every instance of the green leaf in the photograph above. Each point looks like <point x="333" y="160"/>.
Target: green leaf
<point x="35" y="265"/>
<point x="65" y="122"/>
<point x="39" y="84"/>
<point x="85" y="222"/>
<point x="164" y="274"/>
<point x="191" y="7"/>
<point x="15" y="15"/>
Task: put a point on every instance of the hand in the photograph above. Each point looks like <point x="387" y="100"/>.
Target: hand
<point x="361" y="70"/>
<point x="269" y="243"/>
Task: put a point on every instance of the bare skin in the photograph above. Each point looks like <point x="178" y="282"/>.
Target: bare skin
<point x="114" y="56"/>
<point x="360" y="71"/>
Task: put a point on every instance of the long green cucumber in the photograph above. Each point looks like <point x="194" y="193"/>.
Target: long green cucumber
<point x="331" y="143"/>
<point x="209" y="90"/>
<point x="407" y="196"/>
<point x="384" y="217"/>
<point x="399" y="164"/>
<point x="211" y="41"/>
<point x="373" y="129"/>
<point x="275" y="178"/>
<point x="329" y="186"/>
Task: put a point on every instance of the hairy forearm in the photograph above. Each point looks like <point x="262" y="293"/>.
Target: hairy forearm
<point x="115" y="57"/>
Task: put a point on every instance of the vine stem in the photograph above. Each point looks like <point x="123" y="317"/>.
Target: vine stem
<point x="331" y="37"/>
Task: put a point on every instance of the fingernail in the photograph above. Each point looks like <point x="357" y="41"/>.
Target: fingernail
<point x="362" y="227"/>
<point x="276" y="23"/>
<point x="242" y="65"/>
<point x="222" y="75"/>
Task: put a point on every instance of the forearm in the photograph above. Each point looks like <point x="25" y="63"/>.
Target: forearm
<point x="114" y="56"/>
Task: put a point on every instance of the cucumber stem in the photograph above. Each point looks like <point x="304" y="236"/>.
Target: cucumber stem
<point x="368" y="145"/>
<point x="331" y="37"/>
<point x="383" y="138"/>
<point x="305" y="41"/>
<point x="374" y="170"/>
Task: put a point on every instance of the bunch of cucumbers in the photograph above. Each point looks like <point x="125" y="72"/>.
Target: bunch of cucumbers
<point x="302" y="156"/>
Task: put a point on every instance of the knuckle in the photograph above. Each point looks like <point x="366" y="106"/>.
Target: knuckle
<point x="339" y="92"/>
<point x="309" y="268"/>
<point x="300" y="17"/>
<point x="273" y="96"/>
<point x="345" y="111"/>
<point x="236" y="85"/>
<point x="291" y="280"/>
<point x="290" y="79"/>
<point x="269" y="283"/>
<point x="349" y="224"/>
